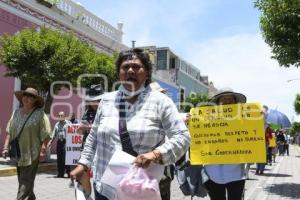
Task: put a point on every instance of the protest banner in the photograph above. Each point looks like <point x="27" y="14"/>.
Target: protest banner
<point x="73" y="144"/>
<point x="227" y="134"/>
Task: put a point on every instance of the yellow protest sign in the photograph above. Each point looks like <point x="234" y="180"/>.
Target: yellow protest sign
<point x="227" y="134"/>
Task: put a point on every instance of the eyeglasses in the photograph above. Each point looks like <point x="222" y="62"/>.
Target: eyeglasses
<point x="134" y="66"/>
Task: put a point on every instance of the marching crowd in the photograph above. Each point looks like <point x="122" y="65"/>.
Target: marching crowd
<point x="138" y="119"/>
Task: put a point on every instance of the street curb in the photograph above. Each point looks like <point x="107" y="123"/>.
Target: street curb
<point x="43" y="167"/>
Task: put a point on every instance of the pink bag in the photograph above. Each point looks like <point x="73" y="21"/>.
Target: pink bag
<point x="137" y="185"/>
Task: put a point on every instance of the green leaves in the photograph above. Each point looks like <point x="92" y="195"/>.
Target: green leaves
<point x="294" y="128"/>
<point x="39" y="58"/>
<point x="280" y="25"/>
<point x="194" y="100"/>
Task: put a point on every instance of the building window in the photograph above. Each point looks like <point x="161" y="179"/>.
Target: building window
<point x="172" y="63"/>
<point x="161" y="59"/>
<point x="182" y="97"/>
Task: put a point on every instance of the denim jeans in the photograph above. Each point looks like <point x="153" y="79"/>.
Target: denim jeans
<point x="260" y="167"/>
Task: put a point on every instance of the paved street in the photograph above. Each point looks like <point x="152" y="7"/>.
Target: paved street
<point x="280" y="181"/>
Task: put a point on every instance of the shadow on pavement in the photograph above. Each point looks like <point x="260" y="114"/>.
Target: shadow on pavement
<point x="276" y="175"/>
<point x="297" y="156"/>
<point x="288" y="190"/>
<point x="254" y="168"/>
<point x="252" y="179"/>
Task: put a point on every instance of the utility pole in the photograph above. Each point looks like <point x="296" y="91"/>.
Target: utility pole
<point x="133" y="44"/>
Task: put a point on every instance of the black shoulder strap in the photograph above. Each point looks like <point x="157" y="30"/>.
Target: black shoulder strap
<point x="19" y="134"/>
<point x="124" y="135"/>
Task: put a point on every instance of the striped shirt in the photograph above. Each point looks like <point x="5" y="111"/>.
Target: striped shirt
<point x="152" y="117"/>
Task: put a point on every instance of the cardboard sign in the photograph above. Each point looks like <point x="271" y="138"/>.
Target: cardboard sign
<point x="73" y="144"/>
<point x="227" y="134"/>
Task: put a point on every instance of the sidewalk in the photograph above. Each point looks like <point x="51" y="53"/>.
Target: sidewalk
<point x="280" y="181"/>
<point x="7" y="167"/>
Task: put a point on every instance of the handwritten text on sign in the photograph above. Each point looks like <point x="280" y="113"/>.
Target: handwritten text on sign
<point x="227" y="134"/>
<point x="73" y="144"/>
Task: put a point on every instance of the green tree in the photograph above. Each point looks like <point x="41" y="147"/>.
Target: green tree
<point x="39" y="58"/>
<point x="297" y="104"/>
<point x="294" y="128"/>
<point x="194" y="100"/>
<point x="280" y="25"/>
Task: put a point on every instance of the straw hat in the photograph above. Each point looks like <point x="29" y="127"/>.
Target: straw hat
<point x="33" y="92"/>
<point x="240" y="98"/>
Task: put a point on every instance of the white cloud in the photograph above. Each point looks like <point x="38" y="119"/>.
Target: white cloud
<point x="243" y="62"/>
<point x="157" y="22"/>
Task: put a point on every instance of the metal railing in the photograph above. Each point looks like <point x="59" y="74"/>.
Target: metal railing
<point x="81" y="14"/>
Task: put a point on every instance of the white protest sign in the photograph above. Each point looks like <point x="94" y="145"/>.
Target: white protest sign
<point x="73" y="144"/>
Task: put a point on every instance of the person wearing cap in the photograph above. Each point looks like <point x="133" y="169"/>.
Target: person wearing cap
<point x="140" y="116"/>
<point x="226" y="178"/>
<point x="92" y="99"/>
<point x="33" y="138"/>
<point x="59" y="132"/>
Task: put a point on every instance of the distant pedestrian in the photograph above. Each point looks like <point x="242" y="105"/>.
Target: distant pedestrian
<point x="269" y="138"/>
<point x="73" y="119"/>
<point x="32" y="128"/>
<point x="275" y="148"/>
<point x="280" y="142"/>
<point x="59" y="133"/>
<point x="286" y="143"/>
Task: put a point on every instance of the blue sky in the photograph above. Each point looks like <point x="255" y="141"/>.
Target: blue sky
<point x="220" y="37"/>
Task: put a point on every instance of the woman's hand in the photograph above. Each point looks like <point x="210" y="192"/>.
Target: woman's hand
<point x="144" y="160"/>
<point x="77" y="173"/>
<point x="5" y="153"/>
<point x="83" y="127"/>
<point x="43" y="154"/>
<point x="80" y="175"/>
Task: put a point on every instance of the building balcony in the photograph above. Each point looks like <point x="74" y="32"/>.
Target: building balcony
<point x="79" y="13"/>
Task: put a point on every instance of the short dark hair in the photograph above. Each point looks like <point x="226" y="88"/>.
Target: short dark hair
<point x="141" y="55"/>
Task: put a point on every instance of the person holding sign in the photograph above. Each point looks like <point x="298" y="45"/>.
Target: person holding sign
<point x="134" y="119"/>
<point x="224" y="178"/>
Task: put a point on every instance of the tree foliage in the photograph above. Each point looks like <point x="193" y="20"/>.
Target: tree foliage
<point x="39" y="58"/>
<point x="294" y="128"/>
<point x="280" y="25"/>
<point x="297" y="104"/>
<point x="195" y="100"/>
